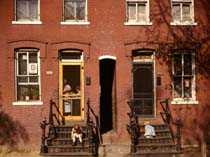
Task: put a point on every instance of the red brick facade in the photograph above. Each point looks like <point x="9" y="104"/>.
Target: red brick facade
<point x="105" y="35"/>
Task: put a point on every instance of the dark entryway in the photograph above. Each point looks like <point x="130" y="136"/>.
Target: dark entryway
<point x="107" y="95"/>
<point x="143" y="89"/>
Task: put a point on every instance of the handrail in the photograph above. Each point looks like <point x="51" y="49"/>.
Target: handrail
<point x="166" y="111"/>
<point x="133" y="127"/>
<point x="90" y="120"/>
<point x="168" y="119"/>
<point x="53" y="115"/>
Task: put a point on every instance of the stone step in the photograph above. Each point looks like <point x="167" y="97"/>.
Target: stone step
<point x="157" y="154"/>
<point x="155" y="140"/>
<point x="73" y="154"/>
<point x="67" y="149"/>
<point x="148" y="148"/>
<point x="64" y="141"/>
<point x="65" y="128"/>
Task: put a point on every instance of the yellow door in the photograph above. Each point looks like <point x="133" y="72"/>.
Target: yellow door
<point x="71" y="87"/>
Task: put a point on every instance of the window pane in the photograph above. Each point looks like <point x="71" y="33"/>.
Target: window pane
<point x="33" y="9"/>
<point x="187" y="87"/>
<point x="177" y="87"/>
<point x="177" y="64"/>
<point x="187" y="64"/>
<point x="69" y="13"/>
<point x="27" y="9"/>
<point x="176" y="11"/>
<point x="22" y="64"/>
<point x="34" y="92"/>
<point x="80" y="10"/>
<point x="21" y="9"/>
<point x="141" y="11"/>
<point x="131" y="11"/>
<point x="186" y="11"/>
<point x="22" y="79"/>
<point x="22" y="93"/>
<point x="33" y="79"/>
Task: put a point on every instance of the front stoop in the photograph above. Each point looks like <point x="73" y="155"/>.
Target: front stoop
<point x="114" y="150"/>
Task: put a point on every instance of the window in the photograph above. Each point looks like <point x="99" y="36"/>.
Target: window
<point x="183" y="76"/>
<point x="182" y="12"/>
<point x="27" y="75"/>
<point x="75" y="11"/>
<point x="27" y="11"/>
<point x="137" y="12"/>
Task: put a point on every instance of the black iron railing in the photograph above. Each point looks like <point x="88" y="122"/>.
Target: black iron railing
<point x="133" y="127"/>
<point x="54" y="113"/>
<point x="168" y="119"/>
<point x="93" y="129"/>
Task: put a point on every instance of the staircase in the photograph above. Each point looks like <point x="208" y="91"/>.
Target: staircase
<point x="59" y="143"/>
<point x="162" y="144"/>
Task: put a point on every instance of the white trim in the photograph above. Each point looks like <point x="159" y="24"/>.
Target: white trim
<point x="137" y="23"/>
<point x="107" y="57"/>
<point x="147" y="13"/>
<point x="75" y="23"/>
<point x="192" y="99"/>
<point x="175" y="23"/>
<point x="184" y="102"/>
<point x="27" y="22"/>
<point x="27" y="103"/>
<point x="179" y="22"/>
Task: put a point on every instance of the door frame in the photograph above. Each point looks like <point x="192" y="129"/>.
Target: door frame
<point x="61" y="64"/>
<point x="147" y="61"/>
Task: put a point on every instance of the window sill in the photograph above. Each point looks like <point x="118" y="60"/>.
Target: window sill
<point x="138" y="23"/>
<point x="175" y="23"/>
<point x="27" y="103"/>
<point x="75" y="23"/>
<point x="183" y="102"/>
<point x="27" y="22"/>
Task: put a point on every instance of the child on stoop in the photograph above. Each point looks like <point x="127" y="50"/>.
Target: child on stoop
<point x="77" y="132"/>
<point x="149" y="130"/>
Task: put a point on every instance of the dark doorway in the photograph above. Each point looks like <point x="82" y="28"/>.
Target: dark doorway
<point x="143" y="89"/>
<point x="107" y="84"/>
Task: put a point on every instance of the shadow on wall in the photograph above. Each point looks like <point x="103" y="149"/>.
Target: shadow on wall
<point x="11" y="131"/>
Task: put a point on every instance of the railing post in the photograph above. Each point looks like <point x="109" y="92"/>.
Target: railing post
<point x="51" y="113"/>
<point x="178" y="125"/>
<point x="133" y="128"/>
<point x="90" y="135"/>
<point x="43" y="127"/>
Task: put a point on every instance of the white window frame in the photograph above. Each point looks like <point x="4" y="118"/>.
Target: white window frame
<point x="27" y="102"/>
<point x="180" y="22"/>
<point x="136" y="22"/>
<point x="26" y="21"/>
<point x="76" y="22"/>
<point x="192" y="99"/>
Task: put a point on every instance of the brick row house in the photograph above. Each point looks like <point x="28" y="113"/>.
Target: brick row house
<point x="112" y="52"/>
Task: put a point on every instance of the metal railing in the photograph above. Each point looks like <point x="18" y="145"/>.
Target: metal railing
<point x="168" y="119"/>
<point x="93" y="127"/>
<point x="133" y="127"/>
